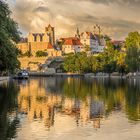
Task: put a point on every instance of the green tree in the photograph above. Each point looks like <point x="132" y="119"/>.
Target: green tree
<point x="121" y="64"/>
<point x="96" y="65"/>
<point x="133" y="51"/>
<point x="90" y="63"/>
<point x="107" y="38"/>
<point x="108" y="58"/>
<point x="69" y="63"/>
<point x="9" y="36"/>
<point x="133" y="39"/>
<point x="93" y="64"/>
<point x="76" y="63"/>
<point x="133" y="59"/>
<point x="41" y="54"/>
<point x="81" y="62"/>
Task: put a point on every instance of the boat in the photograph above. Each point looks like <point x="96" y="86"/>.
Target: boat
<point x="23" y="74"/>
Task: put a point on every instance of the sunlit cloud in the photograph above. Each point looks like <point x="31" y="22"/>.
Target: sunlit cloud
<point x="116" y="17"/>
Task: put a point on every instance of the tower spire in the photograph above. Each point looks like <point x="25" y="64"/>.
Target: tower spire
<point x="77" y="33"/>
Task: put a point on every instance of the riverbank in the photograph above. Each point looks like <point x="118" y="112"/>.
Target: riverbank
<point x="45" y="74"/>
<point x="92" y="75"/>
<point x="113" y="75"/>
<point x="87" y="75"/>
<point x="3" y="79"/>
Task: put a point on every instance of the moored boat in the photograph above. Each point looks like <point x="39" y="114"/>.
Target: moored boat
<point x="23" y="74"/>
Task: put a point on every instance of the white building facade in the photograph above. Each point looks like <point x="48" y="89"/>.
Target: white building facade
<point x="93" y="41"/>
<point x="72" y="45"/>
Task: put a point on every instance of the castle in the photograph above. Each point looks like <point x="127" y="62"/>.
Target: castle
<point x="39" y="42"/>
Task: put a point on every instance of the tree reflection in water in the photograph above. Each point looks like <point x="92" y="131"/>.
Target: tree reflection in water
<point x="9" y="120"/>
<point x="86" y="100"/>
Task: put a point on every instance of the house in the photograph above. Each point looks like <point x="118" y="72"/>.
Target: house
<point x="98" y="43"/>
<point x="95" y="42"/>
<point x="86" y="38"/>
<point x="72" y="45"/>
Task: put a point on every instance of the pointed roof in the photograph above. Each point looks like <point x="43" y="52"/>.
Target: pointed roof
<point x="49" y="26"/>
<point x="50" y="46"/>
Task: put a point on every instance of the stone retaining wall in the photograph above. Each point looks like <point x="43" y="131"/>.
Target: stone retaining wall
<point x="25" y="61"/>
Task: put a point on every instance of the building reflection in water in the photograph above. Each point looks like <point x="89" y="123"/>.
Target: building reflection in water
<point x="41" y="100"/>
<point x="66" y="103"/>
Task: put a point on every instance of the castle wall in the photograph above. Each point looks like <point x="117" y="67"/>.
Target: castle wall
<point x="33" y="47"/>
<point x="38" y="46"/>
<point x="23" y="47"/>
<point x="26" y="60"/>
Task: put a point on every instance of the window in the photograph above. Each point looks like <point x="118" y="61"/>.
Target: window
<point x="41" y="38"/>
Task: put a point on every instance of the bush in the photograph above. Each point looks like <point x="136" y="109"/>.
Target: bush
<point x="41" y="54"/>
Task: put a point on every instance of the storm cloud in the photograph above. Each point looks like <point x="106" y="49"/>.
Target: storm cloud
<point x="116" y="17"/>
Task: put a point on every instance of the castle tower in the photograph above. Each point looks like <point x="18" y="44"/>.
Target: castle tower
<point x="50" y="32"/>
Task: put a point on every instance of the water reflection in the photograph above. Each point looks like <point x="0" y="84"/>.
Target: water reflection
<point x="86" y="101"/>
<point x="8" y="111"/>
<point x="43" y="98"/>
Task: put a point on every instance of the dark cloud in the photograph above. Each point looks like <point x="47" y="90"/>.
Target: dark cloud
<point x="41" y="9"/>
<point x="116" y="27"/>
<point x="120" y="2"/>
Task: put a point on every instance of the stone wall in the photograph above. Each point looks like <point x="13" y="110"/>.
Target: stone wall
<point x="26" y="60"/>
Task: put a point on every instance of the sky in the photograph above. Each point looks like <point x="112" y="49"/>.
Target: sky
<point x="116" y="17"/>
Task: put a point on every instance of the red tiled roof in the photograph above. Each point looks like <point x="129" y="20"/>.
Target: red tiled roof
<point x="72" y="41"/>
<point x="117" y="41"/>
<point x="50" y="46"/>
<point x="74" y="38"/>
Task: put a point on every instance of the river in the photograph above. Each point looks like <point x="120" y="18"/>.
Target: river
<point x="70" y="109"/>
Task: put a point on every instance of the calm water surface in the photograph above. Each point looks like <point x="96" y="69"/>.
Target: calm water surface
<point x="70" y="109"/>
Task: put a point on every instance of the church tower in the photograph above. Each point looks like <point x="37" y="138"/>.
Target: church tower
<point x="51" y="34"/>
